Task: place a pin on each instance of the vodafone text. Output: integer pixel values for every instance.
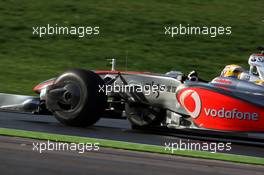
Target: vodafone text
(231, 114)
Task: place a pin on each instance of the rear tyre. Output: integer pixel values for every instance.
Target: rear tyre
(82, 103)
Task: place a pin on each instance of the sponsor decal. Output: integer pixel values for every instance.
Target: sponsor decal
(193, 109)
(257, 58)
(231, 114)
(221, 112)
(223, 81)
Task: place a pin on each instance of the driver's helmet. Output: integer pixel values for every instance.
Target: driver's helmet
(232, 71)
(260, 82)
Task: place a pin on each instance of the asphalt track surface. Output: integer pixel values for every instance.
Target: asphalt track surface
(112, 129)
(18, 157)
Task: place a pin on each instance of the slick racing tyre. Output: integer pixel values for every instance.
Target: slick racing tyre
(140, 115)
(75, 98)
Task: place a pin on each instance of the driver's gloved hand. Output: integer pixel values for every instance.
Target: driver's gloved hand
(193, 76)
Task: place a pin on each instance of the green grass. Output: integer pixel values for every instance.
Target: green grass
(132, 28)
(131, 146)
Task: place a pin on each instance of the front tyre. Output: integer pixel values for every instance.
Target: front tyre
(75, 98)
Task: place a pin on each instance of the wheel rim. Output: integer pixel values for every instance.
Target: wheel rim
(71, 98)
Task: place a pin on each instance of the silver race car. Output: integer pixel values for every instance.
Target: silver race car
(80, 97)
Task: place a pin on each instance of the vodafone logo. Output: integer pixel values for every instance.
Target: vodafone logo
(191, 101)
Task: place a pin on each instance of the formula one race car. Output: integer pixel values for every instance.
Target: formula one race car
(80, 97)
